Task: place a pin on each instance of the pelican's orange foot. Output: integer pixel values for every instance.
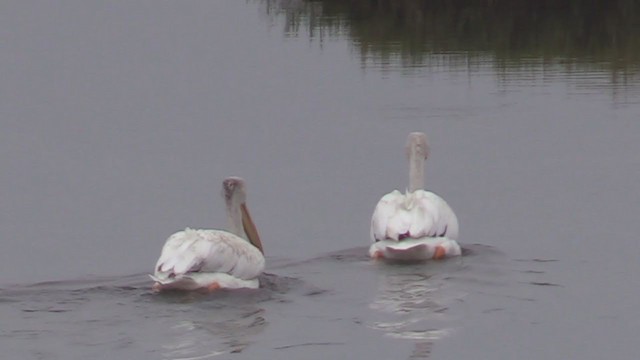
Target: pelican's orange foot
(439, 253)
(378, 255)
(213, 287)
(156, 287)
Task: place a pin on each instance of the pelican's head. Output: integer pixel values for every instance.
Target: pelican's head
(417, 145)
(235, 197)
(233, 190)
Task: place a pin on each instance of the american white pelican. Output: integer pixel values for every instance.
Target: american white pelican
(417, 225)
(212, 259)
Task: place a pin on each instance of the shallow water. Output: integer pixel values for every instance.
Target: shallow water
(120, 120)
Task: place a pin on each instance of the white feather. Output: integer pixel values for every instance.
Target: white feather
(414, 249)
(417, 214)
(412, 225)
(196, 255)
(192, 259)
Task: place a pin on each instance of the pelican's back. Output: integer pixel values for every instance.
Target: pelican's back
(206, 252)
(415, 215)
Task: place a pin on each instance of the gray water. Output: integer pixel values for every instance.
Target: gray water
(120, 120)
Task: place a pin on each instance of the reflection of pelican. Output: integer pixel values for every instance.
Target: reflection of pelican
(212, 259)
(417, 225)
(205, 334)
(412, 306)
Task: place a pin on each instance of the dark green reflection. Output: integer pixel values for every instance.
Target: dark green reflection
(595, 33)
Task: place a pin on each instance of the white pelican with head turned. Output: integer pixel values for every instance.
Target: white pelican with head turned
(417, 225)
(213, 259)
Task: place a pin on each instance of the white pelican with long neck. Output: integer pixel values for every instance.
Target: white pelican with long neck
(417, 225)
(214, 259)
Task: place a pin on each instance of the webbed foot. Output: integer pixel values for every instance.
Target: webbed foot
(439, 253)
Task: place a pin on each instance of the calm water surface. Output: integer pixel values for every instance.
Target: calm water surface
(120, 120)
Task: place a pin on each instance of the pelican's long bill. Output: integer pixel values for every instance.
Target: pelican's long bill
(250, 228)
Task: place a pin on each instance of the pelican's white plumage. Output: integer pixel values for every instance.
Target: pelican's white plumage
(210, 259)
(418, 224)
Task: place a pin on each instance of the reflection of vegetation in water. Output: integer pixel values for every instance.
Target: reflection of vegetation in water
(594, 33)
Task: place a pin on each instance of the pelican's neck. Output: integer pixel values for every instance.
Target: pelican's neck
(416, 170)
(234, 218)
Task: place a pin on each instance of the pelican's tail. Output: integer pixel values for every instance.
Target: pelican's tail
(194, 281)
(157, 279)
